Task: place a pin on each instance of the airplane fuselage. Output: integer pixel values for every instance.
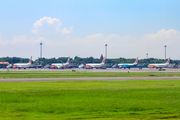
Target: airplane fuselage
(21, 65)
(94, 65)
(59, 65)
(81, 66)
(158, 65)
(56, 65)
(127, 65)
(65, 65)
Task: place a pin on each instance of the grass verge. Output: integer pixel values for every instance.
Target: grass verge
(104, 100)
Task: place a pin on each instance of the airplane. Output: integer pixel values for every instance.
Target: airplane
(23, 65)
(129, 65)
(115, 66)
(9, 66)
(60, 65)
(37, 66)
(47, 66)
(81, 66)
(160, 66)
(97, 66)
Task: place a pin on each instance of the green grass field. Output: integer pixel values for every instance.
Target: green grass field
(37, 74)
(102, 100)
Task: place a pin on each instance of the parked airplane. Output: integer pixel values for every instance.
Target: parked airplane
(115, 66)
(56, 65)
(36, 66)
(9, 66)
(23, 65)
(97, 66)
(81, 66)
(47, 66)
(60, 65)
(129, 65)
(160, 66)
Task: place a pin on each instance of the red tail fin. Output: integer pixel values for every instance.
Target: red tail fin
(68, 60)
(30, 61)
(136, 61)
(168, 61)
(104, 61)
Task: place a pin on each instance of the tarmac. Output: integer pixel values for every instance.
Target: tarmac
(91, 79)
(97, 70)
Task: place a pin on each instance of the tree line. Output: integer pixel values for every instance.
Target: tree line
(79, 60)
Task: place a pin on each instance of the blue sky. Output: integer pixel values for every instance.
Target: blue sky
(131, 28)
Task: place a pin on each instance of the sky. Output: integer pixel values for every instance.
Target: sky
(130, 28)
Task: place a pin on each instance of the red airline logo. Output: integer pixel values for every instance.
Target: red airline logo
(14, 66)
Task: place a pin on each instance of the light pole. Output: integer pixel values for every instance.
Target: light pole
(147, 55)
(105, 52)
(3, 62)
(40, 51)
(165, 51)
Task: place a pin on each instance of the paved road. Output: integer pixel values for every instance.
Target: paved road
(89, 79)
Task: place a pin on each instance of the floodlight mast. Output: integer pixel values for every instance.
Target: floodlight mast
(105, 53)
(41, 51)
(165, 51)
(106, 50)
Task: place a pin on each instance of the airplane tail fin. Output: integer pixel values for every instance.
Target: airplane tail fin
(103, 61)
(136, 61)
(30, 61)
(168, 61)
(68, 59)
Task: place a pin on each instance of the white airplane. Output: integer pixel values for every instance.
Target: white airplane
(160, 66)
(91, 65)
(82, 66)
(60, 65)
(23, 65)
(66, 65)
(129, 65)
(9, 66)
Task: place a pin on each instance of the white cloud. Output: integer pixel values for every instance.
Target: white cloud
(34, 31)
(48, 27)
(48, 20)
(21, 40)
(113, 36)
(154, 43)
(116, 40)
(90, 40)
(94, 45)
(95, 36)
(162, 36)
(66, 31)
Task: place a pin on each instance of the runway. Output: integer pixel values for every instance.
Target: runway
(89, 70)
(97, 70)
(89, 79)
